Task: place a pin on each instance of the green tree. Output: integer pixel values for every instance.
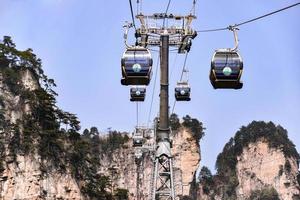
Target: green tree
(2, 154)
(114, 141)
(174, 122)
(205, 174)
(287, 166)
(86, 133)
(186, 198)
(94, 131)
(206, 180)
(47, 129)
(275, 136)
(195, 126)
(121, 194)
(97, 188)
(264, 194)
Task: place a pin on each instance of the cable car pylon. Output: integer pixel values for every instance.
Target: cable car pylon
(136, 70)
(163, 183)
(136, 64)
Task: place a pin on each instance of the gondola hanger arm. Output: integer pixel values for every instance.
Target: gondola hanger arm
(234, 29)
(126, 27)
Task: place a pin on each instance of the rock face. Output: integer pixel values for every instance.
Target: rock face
(128, 174)
(23, 177)
(186, 154)
(260, 166)
(26, 181)
(16, 107)
(125, 173)
(255, 164)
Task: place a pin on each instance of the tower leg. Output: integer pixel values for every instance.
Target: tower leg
(163, 179)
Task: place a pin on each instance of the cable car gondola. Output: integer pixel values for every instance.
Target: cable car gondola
(136, 66)
(138, 138)
(227, 66)
(137, 93)
(226, 69)
(182, 91)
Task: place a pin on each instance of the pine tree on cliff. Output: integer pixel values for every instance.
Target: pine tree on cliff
(47, 129)
(225, 181)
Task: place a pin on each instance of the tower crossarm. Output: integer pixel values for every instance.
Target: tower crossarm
(178, 29)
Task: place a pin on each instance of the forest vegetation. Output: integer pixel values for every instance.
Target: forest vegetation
(225, 180)
(50, 131)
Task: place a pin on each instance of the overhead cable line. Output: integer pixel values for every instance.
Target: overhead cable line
(137, 114)
(174, 104)
(184, 66)
(166, 12)
(153, 91)
(132, 15)
(266, 15)
(138, 6)
(172, 70)
(181, 77)
(168, 6)
(174, 65)
(193, 10)
(249, 21)
(212, 30)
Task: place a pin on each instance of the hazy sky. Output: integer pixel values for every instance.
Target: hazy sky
(81, 43)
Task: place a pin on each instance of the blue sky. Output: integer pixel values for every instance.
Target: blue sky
(81, 43)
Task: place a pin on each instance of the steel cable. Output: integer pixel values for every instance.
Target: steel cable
(249, 21)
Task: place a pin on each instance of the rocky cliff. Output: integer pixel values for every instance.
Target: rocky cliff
(23, 178)
(260, 162)
(260, 166)
(44, 157)
(187, 158)
(131, 175)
